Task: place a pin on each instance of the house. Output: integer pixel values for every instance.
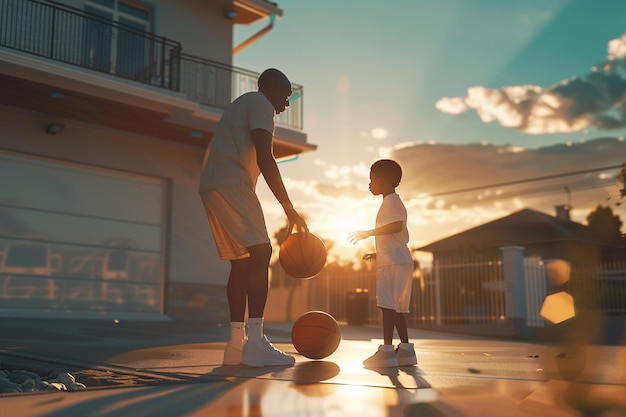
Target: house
(492, 280)
(542, 235)
(106, 108)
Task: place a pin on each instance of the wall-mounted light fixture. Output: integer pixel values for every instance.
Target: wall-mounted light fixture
(230, 14)
(54, 128)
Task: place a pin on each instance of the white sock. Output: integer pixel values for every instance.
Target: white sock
(237, 331)
(406, 346)
(388, 348)
(255, 328)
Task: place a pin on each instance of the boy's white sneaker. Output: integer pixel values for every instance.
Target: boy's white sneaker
(405, 353)
(385, 357)
(261, 352)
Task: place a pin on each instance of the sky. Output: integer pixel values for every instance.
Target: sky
(471, 97)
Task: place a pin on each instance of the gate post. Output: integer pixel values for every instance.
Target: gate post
(514, 287)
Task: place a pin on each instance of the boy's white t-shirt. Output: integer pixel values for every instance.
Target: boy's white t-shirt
(230, 159)
(392, 249)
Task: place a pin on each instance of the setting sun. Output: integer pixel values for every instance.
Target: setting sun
(347, 216)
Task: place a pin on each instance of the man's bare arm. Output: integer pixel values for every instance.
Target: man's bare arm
(267, 164)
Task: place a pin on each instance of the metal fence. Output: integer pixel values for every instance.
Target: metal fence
(612, 287)
(470, 291)
(347, 295)
(600, 287)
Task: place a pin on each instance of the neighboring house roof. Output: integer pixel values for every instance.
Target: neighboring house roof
(523, 227)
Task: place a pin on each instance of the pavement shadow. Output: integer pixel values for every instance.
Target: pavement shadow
(417, 407)
(96, 340)
(394, 376)
(148, 402)
(176, 399)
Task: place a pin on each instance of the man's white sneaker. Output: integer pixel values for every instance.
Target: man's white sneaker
(406, 354)
(233, 353)
(261, 352)
(385, 357)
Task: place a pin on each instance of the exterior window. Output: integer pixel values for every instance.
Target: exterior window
(116, 42)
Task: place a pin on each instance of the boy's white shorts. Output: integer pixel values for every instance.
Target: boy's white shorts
(393, 287)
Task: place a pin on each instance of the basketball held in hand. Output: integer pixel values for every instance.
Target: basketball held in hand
(316, 335)
(302, 255)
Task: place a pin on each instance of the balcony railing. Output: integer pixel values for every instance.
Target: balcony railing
(71, 36)
(65, 34)
(215, 85)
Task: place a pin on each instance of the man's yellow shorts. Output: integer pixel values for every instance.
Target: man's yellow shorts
(236, 219)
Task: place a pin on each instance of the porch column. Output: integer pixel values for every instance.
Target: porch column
(514, 286)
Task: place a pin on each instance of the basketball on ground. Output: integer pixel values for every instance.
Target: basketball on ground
(316, 335)
(302, 255)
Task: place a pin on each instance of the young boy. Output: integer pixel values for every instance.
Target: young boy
(394, 265)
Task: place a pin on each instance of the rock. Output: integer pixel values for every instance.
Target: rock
(46, 386)
(58, 386)
(76, 386)
(66, 378)
(28, 385)
(21, 375)
(8, 387)
(26, 381)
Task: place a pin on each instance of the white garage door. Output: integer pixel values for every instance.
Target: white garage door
(80, 239)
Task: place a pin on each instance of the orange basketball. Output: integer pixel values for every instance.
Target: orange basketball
(315, 335)
(302, 255)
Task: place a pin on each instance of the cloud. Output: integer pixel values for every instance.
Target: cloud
(379, 133)
(440, 173)
(335, 191)
(343, 173)
(617, 48)
(594, 100)
(434, 177)
(451, 105)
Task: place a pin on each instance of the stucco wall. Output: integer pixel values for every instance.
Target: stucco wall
(199, 25)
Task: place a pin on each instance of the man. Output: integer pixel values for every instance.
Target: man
(238, 153)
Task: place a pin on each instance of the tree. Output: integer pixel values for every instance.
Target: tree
(621, 179)
(604, 224)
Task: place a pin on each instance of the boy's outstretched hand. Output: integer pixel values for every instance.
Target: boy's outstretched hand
(354, 237)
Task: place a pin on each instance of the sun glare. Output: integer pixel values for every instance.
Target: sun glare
(347, 217)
